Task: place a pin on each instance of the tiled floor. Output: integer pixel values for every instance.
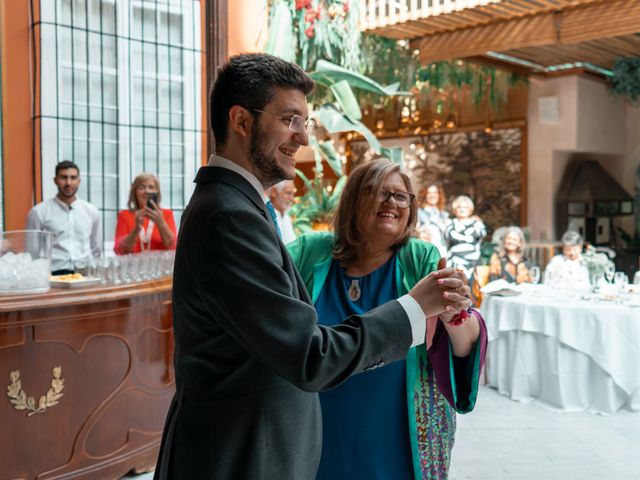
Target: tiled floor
(506, 440)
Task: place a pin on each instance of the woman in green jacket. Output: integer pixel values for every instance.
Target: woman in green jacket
(397, 421)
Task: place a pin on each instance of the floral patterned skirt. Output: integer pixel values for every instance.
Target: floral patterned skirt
(436, 426)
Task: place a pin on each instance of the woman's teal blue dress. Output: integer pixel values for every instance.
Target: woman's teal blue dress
(365, 431)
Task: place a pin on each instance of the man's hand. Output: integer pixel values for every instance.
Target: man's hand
(444, 291)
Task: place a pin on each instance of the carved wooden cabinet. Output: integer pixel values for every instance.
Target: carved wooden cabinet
(98, 365)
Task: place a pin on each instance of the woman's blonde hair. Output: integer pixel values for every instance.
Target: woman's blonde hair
(520, 234)
(139, 180)
(462, 199)
(359, 199)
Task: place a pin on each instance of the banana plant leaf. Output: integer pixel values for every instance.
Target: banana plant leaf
(347, 100)
(316, 154)
(337, 191)
(331, 156)
(335, 121)
(328, 73)
(307, 184)
(280, 41)
(394, 154)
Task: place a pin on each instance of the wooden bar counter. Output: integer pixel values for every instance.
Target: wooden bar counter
(87, 378)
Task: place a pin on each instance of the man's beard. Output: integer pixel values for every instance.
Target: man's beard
(62, 193)
(265, 167)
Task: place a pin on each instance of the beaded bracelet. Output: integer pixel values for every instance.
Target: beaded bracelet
(459, 318)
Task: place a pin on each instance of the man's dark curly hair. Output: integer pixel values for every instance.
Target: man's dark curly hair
(249, 80)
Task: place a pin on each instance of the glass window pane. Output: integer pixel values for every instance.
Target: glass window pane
(64, 44)
(163, 27)
(111, 191)
(577, 208)
(109, 225)
(95, 191)
(149, 57)
(79, 46)
(64, 13)
(175, 29)
(110, 158)
(117, 117)
(148, 24)
(177, 195)
(79, 14)
(102, 16)
(175, 65)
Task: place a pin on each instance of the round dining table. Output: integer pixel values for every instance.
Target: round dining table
(569, 351)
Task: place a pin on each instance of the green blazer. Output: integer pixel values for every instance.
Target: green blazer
(311, 253)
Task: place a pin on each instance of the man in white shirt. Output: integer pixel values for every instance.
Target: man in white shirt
(281, 196)
(74, 223)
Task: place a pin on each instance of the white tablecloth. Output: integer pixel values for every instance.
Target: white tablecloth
(566, 353)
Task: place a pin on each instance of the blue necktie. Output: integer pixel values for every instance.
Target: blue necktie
(274, 217)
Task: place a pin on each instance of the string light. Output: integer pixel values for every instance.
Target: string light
(451, 121)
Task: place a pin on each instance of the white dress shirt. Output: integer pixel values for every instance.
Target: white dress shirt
(564, 273)
(414, 312)
(76, 230)
(286, 227)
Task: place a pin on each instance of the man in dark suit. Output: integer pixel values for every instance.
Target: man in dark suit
(249, 352)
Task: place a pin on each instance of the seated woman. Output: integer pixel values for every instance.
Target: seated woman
(397, 421)
(509, 262)
(568, 270)
(145, 226)
(464, 236)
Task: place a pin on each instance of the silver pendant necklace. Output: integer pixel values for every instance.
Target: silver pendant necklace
(354, 291)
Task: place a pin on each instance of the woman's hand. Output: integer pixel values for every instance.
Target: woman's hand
(139, 220)
(154, 213)
(445, 290)
(157, 216)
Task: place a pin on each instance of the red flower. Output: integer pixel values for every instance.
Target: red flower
(310, 16)
(300, 4)
(309, 31)
(345, 6)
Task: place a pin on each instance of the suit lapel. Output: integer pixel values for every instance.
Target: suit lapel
(237, 181)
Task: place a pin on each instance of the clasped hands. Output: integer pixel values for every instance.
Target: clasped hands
(444, 293)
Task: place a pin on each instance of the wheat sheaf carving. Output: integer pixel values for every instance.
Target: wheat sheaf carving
(22, 401)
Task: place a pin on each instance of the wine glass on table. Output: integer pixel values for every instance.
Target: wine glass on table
(534, 272)
(609, 273)
(620, 280)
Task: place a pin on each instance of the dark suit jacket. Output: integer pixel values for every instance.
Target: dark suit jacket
(249, 353)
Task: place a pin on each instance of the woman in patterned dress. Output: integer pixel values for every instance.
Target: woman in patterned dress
(398, 421)
(464, 236)
(509, 262)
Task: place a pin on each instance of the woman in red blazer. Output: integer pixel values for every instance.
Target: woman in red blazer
(145, 226)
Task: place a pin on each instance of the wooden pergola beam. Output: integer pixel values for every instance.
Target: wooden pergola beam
(600, 20)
